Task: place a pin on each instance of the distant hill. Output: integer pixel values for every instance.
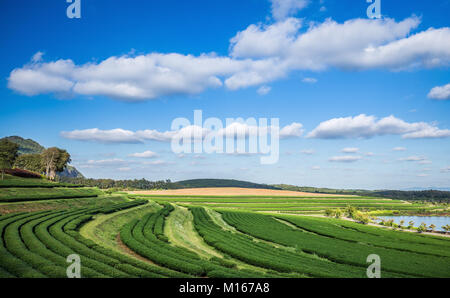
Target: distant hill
(418, 195)
(201, 183)
(26, 146)
(29, 146)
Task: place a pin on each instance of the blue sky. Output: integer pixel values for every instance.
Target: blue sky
(351, 82)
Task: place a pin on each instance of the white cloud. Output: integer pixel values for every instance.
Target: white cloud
(37, 57)
(440, 92)
(263, 90)
(308, 151)
(155, 163)
(350, 150)
(107, 162)
(284, 8)
(346, 158)
(363, 126)
(258, 55)
(413, 158)
(124, 169)
(309, 80)
(145, 154)
(399, 149)
(119, 135)
(423, 175)
(292, 130)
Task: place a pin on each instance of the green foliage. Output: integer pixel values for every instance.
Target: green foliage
(145, 238)
(37, 244)
(324, 243)
(8, 154)
(36, 194)
(30, 162)
(54, 160)
(26, 146)
(201, 183)
(121, 184)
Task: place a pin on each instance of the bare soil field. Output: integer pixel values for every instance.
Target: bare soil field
(232, 191)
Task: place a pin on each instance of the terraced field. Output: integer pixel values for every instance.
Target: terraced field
(296, 205)
(131, 236)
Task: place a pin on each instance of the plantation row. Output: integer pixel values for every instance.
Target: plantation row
(36, 194)
(11, 181)
(37, 245)
(244, 248)
(352, 232)
(146, 237)
(434, 263)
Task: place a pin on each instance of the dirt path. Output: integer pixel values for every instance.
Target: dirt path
(125, 249)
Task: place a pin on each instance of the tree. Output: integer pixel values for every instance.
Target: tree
(422, 228)
(400, 225)
(54, 160)
(411, 224)
(30, 162)
(432, 227)
(8, 154)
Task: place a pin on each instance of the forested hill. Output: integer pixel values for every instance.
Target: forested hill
(410, 195)
(26, 146)
(200, 183)
(29, 146)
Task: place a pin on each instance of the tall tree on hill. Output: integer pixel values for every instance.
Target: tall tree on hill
(54, 160)
(8, 154)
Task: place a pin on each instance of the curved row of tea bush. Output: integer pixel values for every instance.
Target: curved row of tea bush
(342, 251)
(146, 237)
(37, 245)
(389, 239)
(36, 194)
(258, 253)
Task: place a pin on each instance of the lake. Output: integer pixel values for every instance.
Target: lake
(438, 221)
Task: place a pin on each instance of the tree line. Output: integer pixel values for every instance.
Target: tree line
(49, 162)
(121, 184)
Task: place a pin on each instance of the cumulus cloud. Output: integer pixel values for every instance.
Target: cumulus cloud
(413, 158)
(284, 8)
(364, 126)
(308, 151)
(345, 159)
(399, 149)
(119, 135)
(350, 150)
(258, 55)
(309, 80)
(145, 154)
(263, 90)
(440, 92)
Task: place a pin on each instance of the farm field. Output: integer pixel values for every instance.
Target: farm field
(247, 233)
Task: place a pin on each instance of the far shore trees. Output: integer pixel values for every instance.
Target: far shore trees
(54, 160)
(8, 154)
